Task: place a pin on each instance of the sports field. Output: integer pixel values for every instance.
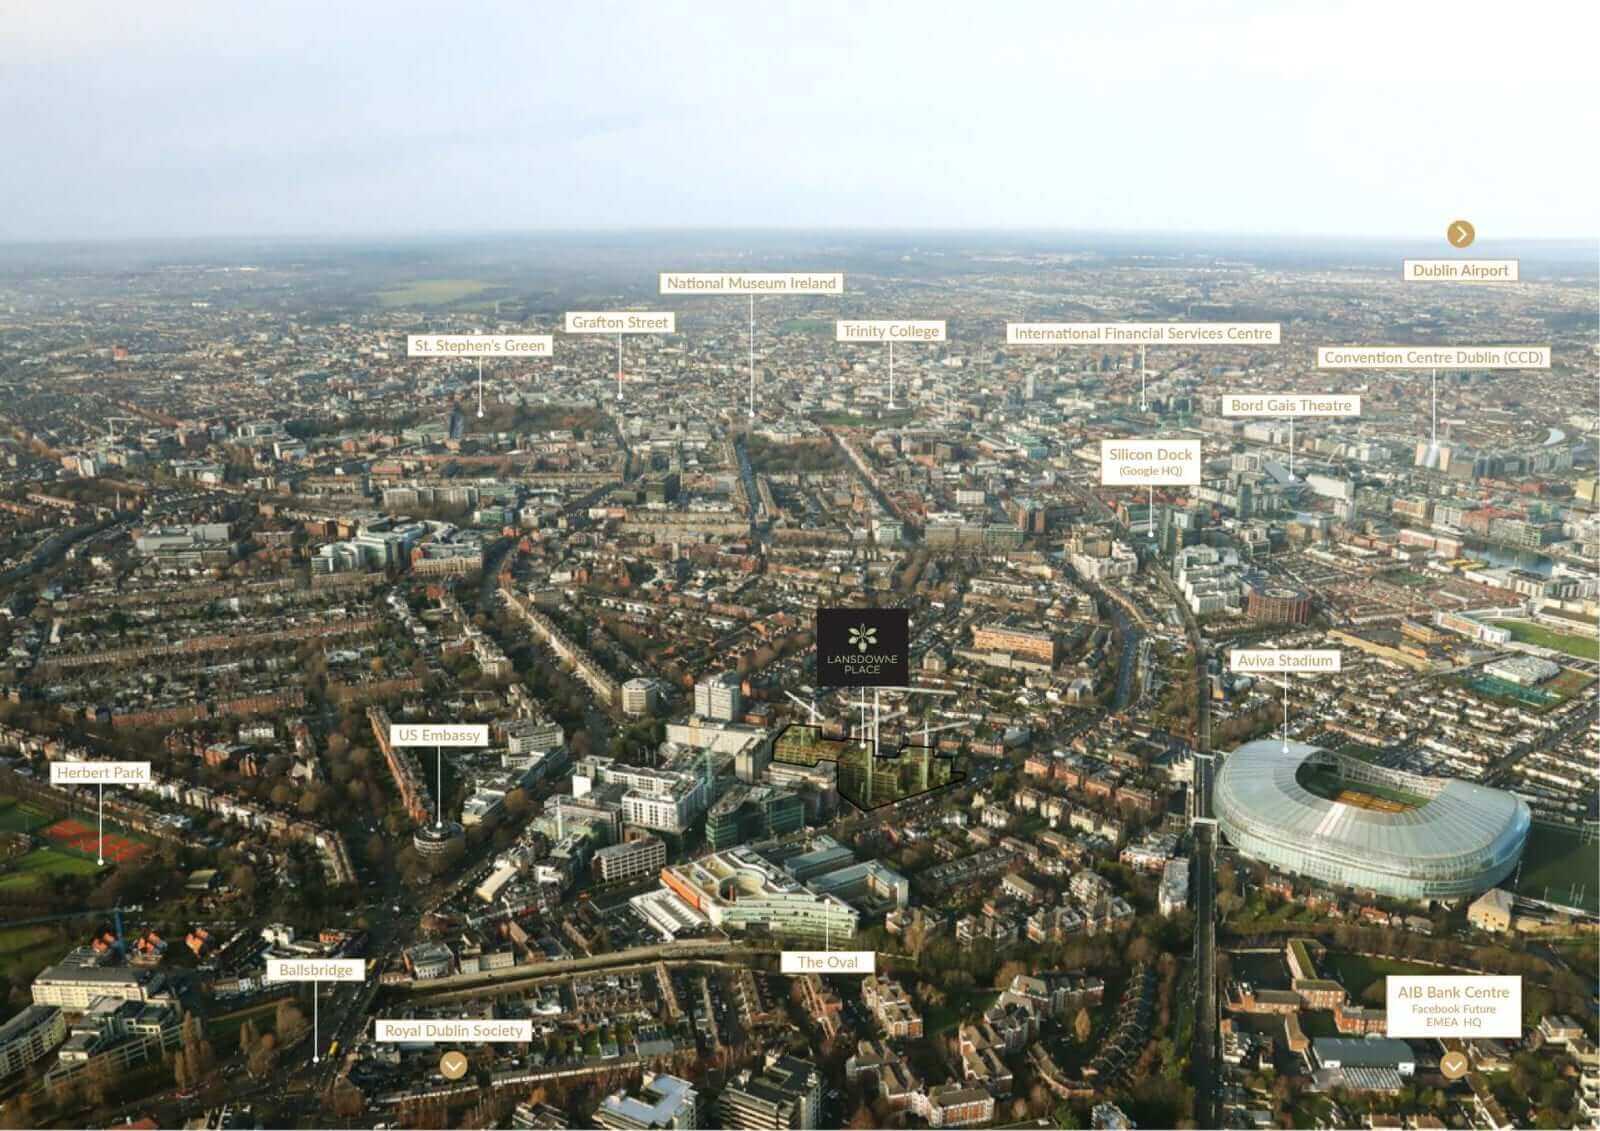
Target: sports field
(21, 816)
(1497, 688)
(1557, 865)
(1526, 632)
(1363, 800)
(85, 838)
(39, 865)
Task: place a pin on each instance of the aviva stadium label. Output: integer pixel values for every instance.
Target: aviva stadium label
(863, 647)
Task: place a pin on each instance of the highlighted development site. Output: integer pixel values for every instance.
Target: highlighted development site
(867, 780)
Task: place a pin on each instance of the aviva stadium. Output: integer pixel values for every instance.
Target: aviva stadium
(1337, 819)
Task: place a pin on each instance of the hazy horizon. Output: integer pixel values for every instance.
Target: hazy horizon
(292, 120)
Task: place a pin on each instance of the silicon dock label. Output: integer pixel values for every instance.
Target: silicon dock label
(1149, 463)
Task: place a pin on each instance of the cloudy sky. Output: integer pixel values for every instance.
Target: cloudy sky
(362, 117)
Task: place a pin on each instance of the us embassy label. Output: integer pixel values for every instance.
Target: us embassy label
(863, 647)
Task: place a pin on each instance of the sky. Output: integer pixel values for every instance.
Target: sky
(378, 117)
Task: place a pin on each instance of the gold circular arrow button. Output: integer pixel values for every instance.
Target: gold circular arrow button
(1461, 233)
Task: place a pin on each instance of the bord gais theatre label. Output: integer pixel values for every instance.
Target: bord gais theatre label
(863, 647)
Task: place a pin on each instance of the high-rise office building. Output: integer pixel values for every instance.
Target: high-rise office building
(719, 697)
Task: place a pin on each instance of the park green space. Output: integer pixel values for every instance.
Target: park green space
(223, 1030)
(851, 420)
(27, 950)
(432, 292)
(959, 1004)
(1355, 972)
(31, 870)
(22, 816)
(806, 326)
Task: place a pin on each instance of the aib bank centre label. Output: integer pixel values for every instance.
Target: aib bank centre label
(863, 647)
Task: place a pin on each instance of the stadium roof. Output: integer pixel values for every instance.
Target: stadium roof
(1456, 828)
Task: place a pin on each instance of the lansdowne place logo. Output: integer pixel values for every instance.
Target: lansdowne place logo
(863, 647)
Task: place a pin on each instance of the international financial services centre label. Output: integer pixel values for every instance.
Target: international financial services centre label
(752, 283)
(1143, 333)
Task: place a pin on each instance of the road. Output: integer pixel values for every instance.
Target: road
(1203, 1057)
(1206, 1052)
(1128, 662)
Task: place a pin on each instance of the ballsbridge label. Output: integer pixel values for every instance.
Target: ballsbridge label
(1149, 463)
(438, 734)
(479, 345)
(99, 773)
(1290, 404)
(622, 322)
(1143, 333)
(751, 283)
(1433, 357)
(1285, 660)
(316, 970)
